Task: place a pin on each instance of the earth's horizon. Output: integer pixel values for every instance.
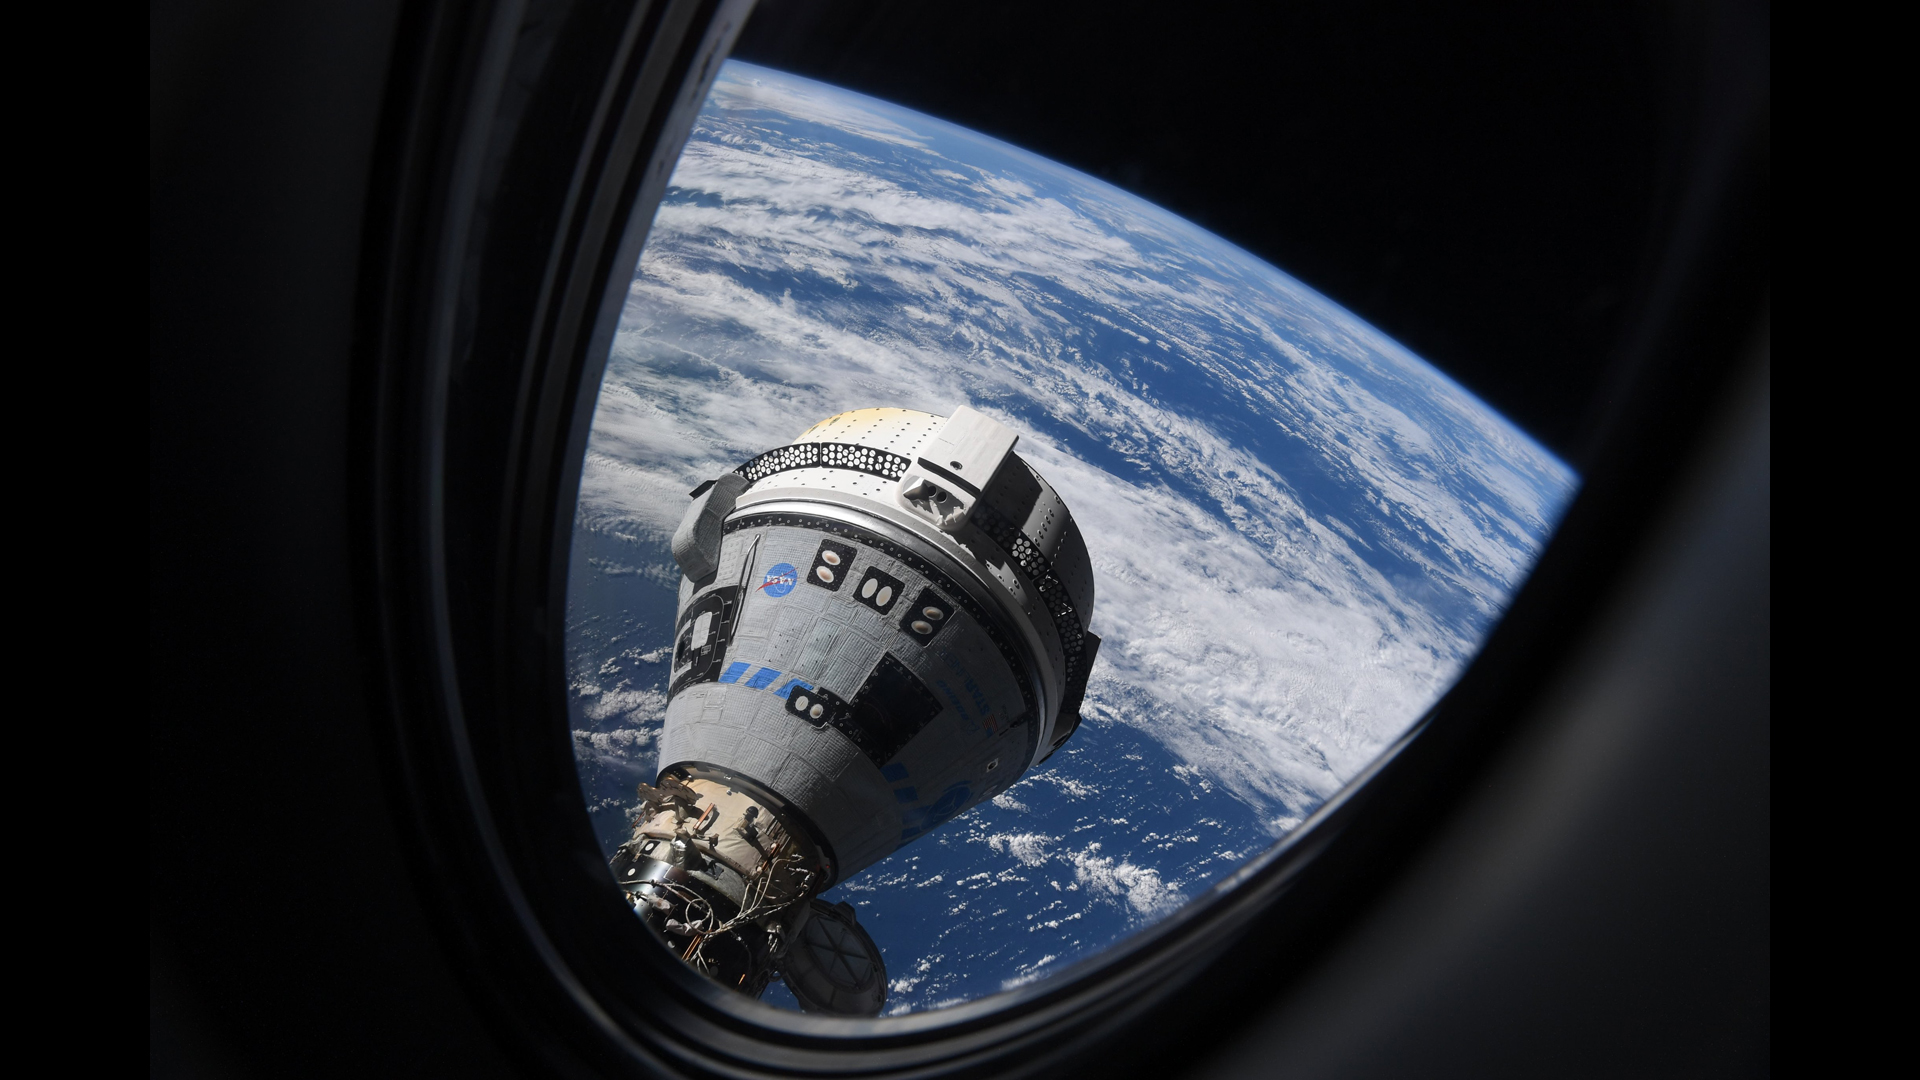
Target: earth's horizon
(1301, 532)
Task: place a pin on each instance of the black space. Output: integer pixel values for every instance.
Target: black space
(1479, 181)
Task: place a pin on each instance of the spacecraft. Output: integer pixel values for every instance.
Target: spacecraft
(880, 624)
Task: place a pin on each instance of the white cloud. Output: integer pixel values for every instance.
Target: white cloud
(1248, 625)
(1028, 972)
(1139, 886)
(1140, 889)
(637, 706)
(1029, 848)
(623, 749)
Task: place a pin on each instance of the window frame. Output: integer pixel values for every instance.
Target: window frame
(524, 151)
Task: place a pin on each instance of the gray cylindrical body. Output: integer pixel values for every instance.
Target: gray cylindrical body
(886, 639)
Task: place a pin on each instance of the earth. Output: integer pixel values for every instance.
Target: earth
(1301, 532)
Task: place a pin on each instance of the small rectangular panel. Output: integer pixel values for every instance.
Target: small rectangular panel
(705, 631)
(968, 449)
(954, 466)
(819, 646)
(878, 590)
(817, 706)
(889, 709)
(926, 616)
(831, 565)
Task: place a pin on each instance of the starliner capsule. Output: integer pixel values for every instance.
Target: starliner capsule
(881, 624)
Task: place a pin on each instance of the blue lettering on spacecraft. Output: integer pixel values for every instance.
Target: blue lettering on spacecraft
(979, 699)
(780, 580)
(953, 697)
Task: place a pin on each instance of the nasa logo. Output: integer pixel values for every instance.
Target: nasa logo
(780, 580)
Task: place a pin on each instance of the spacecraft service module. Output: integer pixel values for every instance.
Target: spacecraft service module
(881, 624)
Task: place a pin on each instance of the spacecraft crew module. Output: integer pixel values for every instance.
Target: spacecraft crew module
(881, 624)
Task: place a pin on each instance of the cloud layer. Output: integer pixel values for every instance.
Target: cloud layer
(1300, 531)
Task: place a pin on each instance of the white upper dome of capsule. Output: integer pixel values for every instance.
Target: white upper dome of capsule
(899, 438)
